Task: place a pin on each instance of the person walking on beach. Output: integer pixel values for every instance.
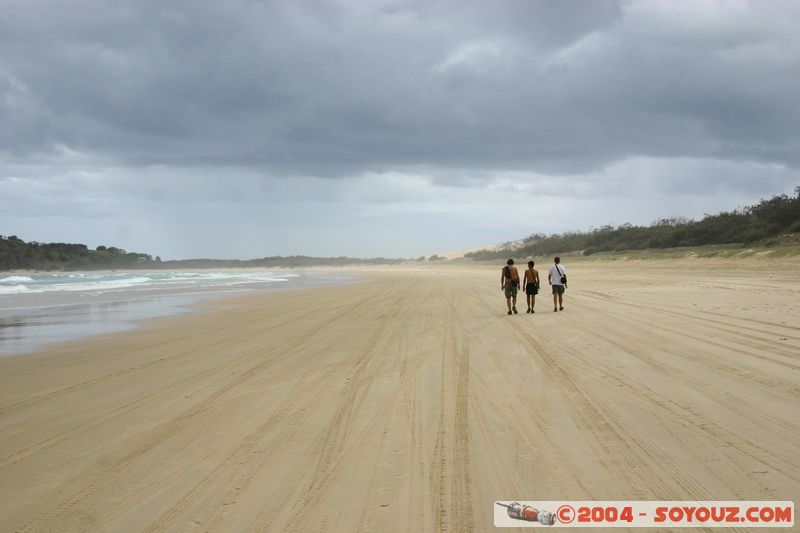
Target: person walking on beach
(531, 286)
(509, 282)
(557, 277)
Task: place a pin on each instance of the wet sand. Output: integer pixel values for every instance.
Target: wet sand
(413, 402)
(58, 307)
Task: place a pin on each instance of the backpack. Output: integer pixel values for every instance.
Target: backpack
(507, 272)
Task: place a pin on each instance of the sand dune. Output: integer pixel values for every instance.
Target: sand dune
(412, 403)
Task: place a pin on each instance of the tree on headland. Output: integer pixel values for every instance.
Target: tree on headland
(18, 254)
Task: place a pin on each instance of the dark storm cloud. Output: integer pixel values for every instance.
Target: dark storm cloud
(187, 128)
(342, 88)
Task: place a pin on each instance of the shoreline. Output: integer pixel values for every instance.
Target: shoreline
(48, 319)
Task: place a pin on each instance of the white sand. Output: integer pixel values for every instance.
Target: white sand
(412, 403)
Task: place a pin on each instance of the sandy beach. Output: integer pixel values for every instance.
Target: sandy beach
(412, 402)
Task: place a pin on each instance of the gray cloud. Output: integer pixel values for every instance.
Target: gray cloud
(142, 107)
(552, 86)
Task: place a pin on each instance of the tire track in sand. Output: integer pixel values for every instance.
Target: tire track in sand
(223, 340)
(619, 446)
(354, 442)
(289, 407)
(160, 435)
(328, 448)
(285, 349)
(637, 350)
(688, 417)
(450, 483)
(726, 328)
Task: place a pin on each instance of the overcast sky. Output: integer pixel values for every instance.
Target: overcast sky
(386, 128)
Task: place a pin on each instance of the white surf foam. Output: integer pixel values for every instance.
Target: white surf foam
(15, 279)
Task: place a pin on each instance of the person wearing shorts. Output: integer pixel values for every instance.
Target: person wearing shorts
(531, 286)
(509, 282)
(555, 274)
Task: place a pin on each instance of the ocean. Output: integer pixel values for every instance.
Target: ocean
(40, 309)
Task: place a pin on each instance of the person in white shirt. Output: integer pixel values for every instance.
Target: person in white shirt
(557, 277)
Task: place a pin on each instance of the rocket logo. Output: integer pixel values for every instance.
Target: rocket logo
(528, 514)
